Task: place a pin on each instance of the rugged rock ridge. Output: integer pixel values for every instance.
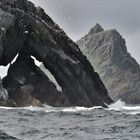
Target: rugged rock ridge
(107, 52)
(26, 30)
(96, 29)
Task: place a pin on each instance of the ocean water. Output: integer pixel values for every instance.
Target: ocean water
(119, 122)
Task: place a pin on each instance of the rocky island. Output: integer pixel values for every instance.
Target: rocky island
(28, 33)
(107, 52)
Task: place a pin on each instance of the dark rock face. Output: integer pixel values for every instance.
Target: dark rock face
(3, 92)
(28, 31)
(30, 86)
(4, 98)
(107, 52)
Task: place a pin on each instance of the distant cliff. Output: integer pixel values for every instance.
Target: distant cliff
(107, 52)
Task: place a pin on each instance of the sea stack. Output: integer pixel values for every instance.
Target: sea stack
(107, 53)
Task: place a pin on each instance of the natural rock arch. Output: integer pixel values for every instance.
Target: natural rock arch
(28, 31)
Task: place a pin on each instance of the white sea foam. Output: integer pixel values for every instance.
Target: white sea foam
(1, 107)
(48, 108)
(117, 106)
(68, 109)
(76, 109)
(121, 106)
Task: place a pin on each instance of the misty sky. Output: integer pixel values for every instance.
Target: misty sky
(76, 17)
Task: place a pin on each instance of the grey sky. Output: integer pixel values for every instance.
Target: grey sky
(76, 17)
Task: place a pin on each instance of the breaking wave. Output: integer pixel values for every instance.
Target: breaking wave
(117, 106)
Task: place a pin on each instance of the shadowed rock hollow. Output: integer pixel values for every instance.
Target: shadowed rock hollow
(26, 30)
(107, 52)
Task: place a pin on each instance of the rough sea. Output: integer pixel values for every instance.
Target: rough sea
(119, 122)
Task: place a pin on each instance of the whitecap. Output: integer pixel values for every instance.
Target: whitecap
(121, 106)
(117, 105)
(76, 109)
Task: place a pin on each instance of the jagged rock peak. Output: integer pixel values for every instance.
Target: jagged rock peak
(96, 29)
(107, 52)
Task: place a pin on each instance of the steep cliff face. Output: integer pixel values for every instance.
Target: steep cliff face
(107, 52)
(28, 31)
